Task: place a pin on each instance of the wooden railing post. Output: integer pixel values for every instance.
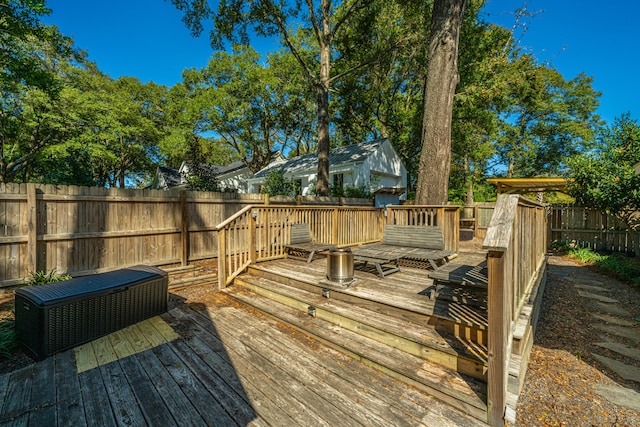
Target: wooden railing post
(497, 339)
(334, 226)
(32, 229)
(252, 237)
(222, 258)
(497, 242)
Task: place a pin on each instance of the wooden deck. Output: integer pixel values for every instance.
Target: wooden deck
(227, 365)
(436, 342)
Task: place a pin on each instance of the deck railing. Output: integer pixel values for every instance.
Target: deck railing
(516, 242)
(260, 233)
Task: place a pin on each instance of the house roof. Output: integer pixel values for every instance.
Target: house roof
(338, 156)
(172, 177)
(221, 170)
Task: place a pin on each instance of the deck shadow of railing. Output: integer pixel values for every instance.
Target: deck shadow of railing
(210, 352)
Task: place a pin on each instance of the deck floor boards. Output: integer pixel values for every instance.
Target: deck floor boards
(229, 365)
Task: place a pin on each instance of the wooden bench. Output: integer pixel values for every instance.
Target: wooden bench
(473, 275)
(302, 246)
(421, 243)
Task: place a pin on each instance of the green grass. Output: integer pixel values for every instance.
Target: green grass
(616, 264)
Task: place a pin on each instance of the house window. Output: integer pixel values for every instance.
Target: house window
(299, 187)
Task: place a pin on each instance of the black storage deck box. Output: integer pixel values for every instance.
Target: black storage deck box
(58, 316)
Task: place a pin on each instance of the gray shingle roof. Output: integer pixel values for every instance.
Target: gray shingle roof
(338, 156)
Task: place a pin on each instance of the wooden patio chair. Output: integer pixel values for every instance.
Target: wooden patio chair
(302, 244)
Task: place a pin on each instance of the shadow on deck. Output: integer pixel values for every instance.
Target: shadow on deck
(395, 324)
(224, 365)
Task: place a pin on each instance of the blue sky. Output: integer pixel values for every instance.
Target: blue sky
(147, 39)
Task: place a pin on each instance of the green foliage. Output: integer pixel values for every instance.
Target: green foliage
(605, 178)
(8, 340)
(362, 192)
(616, 264)
(42, 277)
(276, 184)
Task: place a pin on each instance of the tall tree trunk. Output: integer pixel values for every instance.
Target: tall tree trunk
(322, 93)
(442, 79)
(322, 185)
(469, 199)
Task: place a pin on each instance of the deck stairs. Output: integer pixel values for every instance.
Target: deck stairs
(435, 354)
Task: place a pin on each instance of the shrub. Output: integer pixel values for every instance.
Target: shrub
(40, 278)
(8, 341)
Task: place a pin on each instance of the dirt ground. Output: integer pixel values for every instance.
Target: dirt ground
(563, 372)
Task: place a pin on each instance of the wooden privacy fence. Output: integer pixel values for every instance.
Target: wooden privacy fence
(590, 228)
(83, 230)
(259, 233)
(516, 242)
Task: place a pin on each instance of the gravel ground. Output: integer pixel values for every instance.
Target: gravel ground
(564, 373)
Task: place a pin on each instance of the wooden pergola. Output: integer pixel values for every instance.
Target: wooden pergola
(528, 185)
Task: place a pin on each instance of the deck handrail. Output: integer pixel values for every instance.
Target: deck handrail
(516, 241)
(233, 217)
(260, 233)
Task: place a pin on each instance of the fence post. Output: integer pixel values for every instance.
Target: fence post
(184, 232)
(32, 229)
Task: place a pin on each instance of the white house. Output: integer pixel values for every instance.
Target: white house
(372, 165)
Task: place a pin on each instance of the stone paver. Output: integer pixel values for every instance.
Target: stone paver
(609, 309)
(630, 333)
(613, 320)
(628, 372)
(592, 288)
(620, 396)
(622, 349)
(597, 297)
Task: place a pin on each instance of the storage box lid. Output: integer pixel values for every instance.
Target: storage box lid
(102, 283)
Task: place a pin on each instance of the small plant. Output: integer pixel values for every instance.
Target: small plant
(8, 340)
(41, 277)
(616, 265)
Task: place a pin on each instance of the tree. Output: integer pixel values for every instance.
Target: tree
(605, 178)
(253, 108)
(323, 21)
(442, 78)
(548, 119)
(30, 57)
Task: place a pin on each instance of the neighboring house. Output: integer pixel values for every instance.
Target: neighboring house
(166, 178)
(372, 165)
(229, 178)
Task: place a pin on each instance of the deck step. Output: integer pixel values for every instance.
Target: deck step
(461, 391)
(413, 338)
(469, 333)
